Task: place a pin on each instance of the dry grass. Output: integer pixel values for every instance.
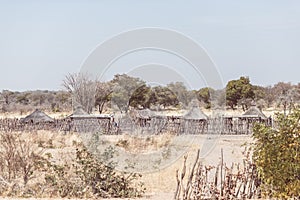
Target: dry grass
(160, 183)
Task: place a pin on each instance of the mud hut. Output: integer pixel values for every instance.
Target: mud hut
(37, 117)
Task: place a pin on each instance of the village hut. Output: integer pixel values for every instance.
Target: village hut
(37, 117)
(246, 121)
(84, 122)
(143, 117)
(195, 121)
(254, 112)
(195, 113)
(78, 112)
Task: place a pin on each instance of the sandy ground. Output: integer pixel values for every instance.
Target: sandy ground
(161, 183)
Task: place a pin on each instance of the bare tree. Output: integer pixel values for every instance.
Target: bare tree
(83, 90)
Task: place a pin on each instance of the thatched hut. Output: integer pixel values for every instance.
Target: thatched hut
(37, 117)
(84, 122)
(78, 112)
(195, 121)
(143, 117)
(252, 115)
(254, 112)
(195, 113)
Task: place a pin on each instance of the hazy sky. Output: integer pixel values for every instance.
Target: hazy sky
(42, 41)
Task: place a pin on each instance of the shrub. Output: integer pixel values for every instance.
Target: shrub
(277, 156)
(91, 178)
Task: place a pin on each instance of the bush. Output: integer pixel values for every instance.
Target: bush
(89, 177)
(26, 170)
(277, 156)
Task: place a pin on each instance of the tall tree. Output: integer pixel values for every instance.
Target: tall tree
(239, 91)
(182, 94)
(205, 95)
(83, 90)
(124, 87)
(103, 94)
(140, 97)
(163, 96)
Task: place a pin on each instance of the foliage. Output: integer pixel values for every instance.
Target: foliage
(163, 96)
(92, 178)
(239, 91)
(26, 171)
(30, 100)
(124, 87)
(205, 95)
(182, 94)
(103, 94)
(276, 155)
(140, 97)
(19, 160)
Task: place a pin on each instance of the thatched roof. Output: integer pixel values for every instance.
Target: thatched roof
(254, 112)
(144, 114)
(37, 117)
(79, 112)
(195, 113)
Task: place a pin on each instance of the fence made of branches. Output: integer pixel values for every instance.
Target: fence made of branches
(235, 181)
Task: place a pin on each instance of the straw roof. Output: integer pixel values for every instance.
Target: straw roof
(37, 117)
(254, 112)
(195, 113)
(79, 112)
(145, 114)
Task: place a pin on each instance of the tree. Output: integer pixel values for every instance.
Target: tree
(123, 88)
(163, 96)
(276, 154)
(103, 95)
(182, 94)
(205, 95)
(239, 91)
(140, 97)
(83, 90)
(286, 95)
(270, 96)
(7, 96)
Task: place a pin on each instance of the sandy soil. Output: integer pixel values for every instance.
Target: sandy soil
(161, 183)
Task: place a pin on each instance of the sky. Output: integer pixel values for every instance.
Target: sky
(42, 41)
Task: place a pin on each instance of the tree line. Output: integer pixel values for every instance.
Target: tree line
(124, 91)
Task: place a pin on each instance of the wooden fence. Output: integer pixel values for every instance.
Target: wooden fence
(154, 125)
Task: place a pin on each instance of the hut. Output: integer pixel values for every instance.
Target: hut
(84, 122)
(254, 112)
(37, 117)
(78, 112)
(196, 114)
(246, 121)
(195, 121)
(144, 117)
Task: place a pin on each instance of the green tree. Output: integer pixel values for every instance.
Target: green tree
(103, 95)
(276, 154)
(205, 95)
(239, 91)
(123, 88)
(163, 96)
(182, 94)
(140, 97)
